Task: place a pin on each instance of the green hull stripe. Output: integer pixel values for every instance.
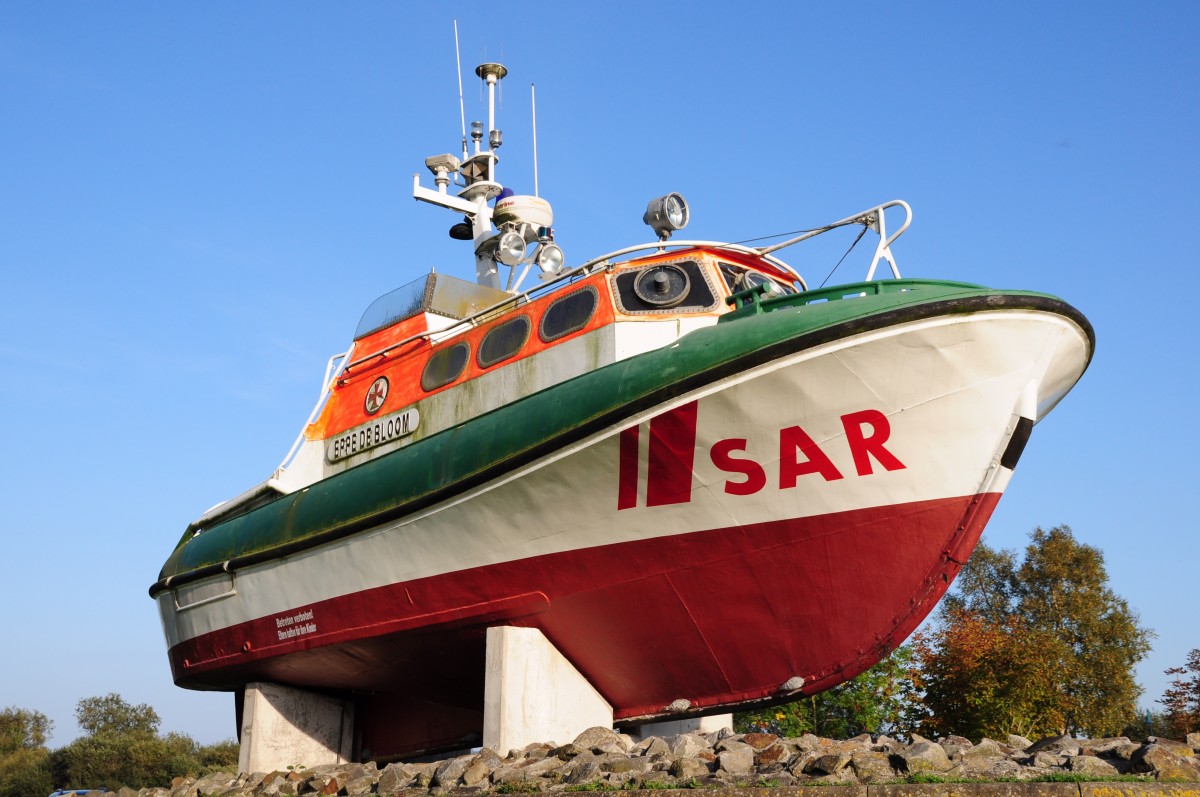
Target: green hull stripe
(478, 450)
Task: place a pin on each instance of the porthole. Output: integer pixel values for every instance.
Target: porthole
(503, 341)
(445, 366)
(569, 313)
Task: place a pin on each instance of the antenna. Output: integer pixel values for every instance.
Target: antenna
(533, 105)
(462, 111)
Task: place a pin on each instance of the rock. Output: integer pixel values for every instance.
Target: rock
(871, 766)
(759, 741)
(583, 770)
(1090, 765)
(477, 773)
(687, 745)
(828, 764)
(623, 764)
(808, 742)
(954, 745)
(925, 756)
(718, 735)
(548, 768)
(1018, 742)
(1178, 748)
(886, 744)
(354, 779)
(509, 773)
(1193, 740)
(736, 758)
(1045, 760)
(215, 782)
(774, 754)
(987, 749)
(656, 747)
(1057, 745)
(684, 769)
(1166, 764)
(318, 783)
(535, 751)
(450, 771)
(995, 769)
(566, 751)
(395, 777)
(602, 737)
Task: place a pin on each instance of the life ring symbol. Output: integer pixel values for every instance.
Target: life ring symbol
(376, 396)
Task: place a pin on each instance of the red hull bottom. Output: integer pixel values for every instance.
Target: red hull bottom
(717, 617)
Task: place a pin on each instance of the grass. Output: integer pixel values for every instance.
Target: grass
(518, 787)
(1053, 777)
(595, 785)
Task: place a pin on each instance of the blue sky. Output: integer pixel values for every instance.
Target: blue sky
(198, 201)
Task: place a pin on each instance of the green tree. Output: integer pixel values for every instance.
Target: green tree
(879, 700)
(111, 714)
(121, 747)
(1055, 601)
(25, 772)
(24, 760)
(22, 729)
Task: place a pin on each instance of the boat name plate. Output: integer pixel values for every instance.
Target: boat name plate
(376, 432)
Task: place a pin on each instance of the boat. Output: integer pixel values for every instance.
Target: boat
(708, 484)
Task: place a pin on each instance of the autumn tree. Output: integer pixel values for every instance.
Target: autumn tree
(986, 678)
(1053, 606)
(1182, 698)
(877, 701)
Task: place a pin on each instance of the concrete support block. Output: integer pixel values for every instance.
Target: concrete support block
(531, 693)
(283, 727)
(708, 724)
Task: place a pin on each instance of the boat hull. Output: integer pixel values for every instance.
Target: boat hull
(768, 532)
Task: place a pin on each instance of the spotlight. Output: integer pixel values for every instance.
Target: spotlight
(510, 248)
(666, 214)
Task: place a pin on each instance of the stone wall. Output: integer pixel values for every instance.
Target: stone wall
(754, 765)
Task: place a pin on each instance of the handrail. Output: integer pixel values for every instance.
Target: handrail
(566, 275)
(872, 217)
(326, 388)
(663, 245)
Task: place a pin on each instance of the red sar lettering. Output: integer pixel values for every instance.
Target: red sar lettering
(794, 442)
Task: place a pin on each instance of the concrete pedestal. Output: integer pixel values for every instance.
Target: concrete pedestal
(532, 693)
(283, 727)
(694, 725)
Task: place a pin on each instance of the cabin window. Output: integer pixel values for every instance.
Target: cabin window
(679, 287)
(503, 341)
(569, 313)
(739, 278)
(445, 366)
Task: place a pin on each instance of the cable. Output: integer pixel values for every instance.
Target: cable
(835, 268)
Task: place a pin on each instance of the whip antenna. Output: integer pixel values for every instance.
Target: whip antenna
(462, 112)
(533, 105)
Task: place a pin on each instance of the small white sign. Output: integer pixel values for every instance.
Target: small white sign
(373, 433)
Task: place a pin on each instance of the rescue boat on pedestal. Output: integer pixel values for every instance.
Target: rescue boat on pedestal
(706, 484)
